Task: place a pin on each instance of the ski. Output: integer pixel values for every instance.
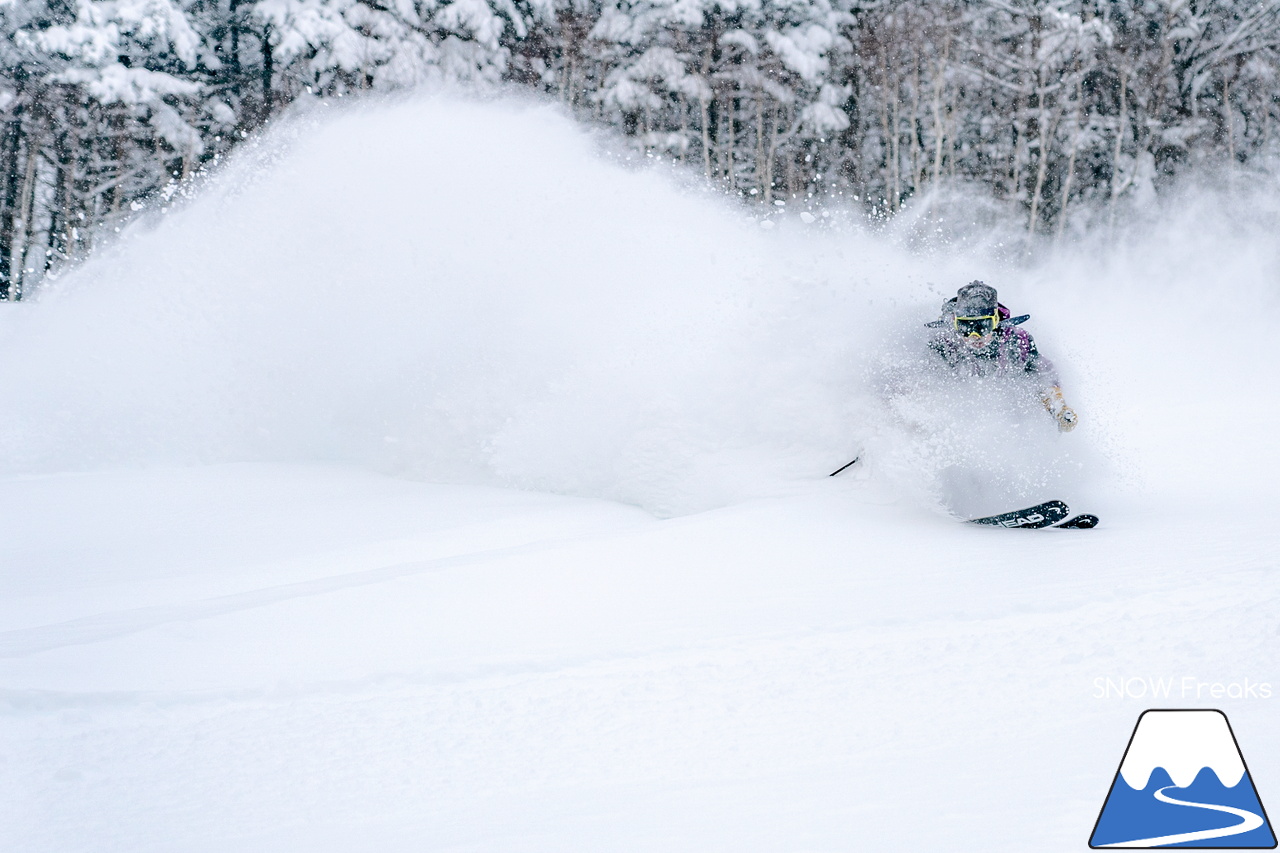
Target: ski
(1080, 522)
(1040, 515)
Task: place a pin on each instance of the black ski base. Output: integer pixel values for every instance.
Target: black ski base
(1031, 518)
(1080, 522)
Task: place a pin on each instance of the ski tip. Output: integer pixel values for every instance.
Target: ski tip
(1080, 522)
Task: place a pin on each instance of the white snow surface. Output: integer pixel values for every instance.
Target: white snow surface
(431, 481)
(1183, 743)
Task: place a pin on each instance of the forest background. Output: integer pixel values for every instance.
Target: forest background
(1063, 112)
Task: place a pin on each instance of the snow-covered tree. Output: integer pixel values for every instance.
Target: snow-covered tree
(105, 104)
(1067, 108)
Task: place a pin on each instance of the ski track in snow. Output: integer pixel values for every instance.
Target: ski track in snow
(104, 626)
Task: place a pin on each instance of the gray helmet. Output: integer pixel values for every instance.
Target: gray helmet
(975, 299)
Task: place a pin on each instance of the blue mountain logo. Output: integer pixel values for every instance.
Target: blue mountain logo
(1183, 783)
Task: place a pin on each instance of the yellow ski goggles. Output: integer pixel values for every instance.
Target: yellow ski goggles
(971, 327)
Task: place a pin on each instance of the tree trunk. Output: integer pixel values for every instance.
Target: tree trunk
(1018, 137)
(1047, 125)
(26, 206)
(1116, 186)
(1044, 133)
(887, 133)
(233, 60)
(760, 143)
(9, 214)
(896, 171)
(684, 128)
(1071, 164)
(706, 137)
(733, 110)
(939, 129)
(771, 156)
(268, 69)
(59, 221)
(706, 118)
(1230, 124)
(916, 148)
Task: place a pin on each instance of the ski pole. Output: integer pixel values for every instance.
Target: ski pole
(842, 467)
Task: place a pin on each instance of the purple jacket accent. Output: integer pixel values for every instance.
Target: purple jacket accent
(1011, 351)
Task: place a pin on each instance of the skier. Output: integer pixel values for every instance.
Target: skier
(977, 337)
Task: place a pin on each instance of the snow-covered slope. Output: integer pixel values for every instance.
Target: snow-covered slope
(376, 502)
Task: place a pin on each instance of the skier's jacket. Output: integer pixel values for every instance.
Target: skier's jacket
(1012, 351)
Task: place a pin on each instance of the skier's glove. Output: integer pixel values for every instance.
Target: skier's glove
(1057, 406)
